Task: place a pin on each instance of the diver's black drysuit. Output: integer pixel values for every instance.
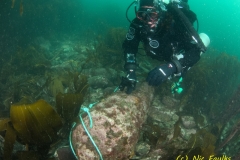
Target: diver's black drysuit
(170, 42)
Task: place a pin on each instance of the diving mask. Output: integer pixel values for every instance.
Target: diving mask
(147, 14)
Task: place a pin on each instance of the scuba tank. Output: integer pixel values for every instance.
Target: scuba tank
(182, 12)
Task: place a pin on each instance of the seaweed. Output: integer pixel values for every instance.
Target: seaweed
(177, 129)
(208, 88)
(80, 83)
(24, 61)
(68, 105)
(209, 84)
(30, 124)
(56, 87)
(234, 134)
(10, 138)
(108, 50)
(202, 143)
(37, 124)
(33, 155)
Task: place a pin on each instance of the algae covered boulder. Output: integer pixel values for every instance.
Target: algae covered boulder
(117, 121)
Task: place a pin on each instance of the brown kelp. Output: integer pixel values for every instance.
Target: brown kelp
(30, 124)
(202, 143)
(72, 101)
(20, 6)
(37, 124)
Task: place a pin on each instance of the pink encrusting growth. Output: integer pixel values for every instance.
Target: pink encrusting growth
(116, 124)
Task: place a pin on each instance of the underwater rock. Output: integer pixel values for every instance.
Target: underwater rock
(95, 96)
(170, 102)
(67, 48)
(156, 153)
(142, 148)
(98, 82)
(64, 153)
(98, 94)
(43, 43)
(109, 73)
(18, 147)
(101, 77)
(187, 133)
(68, 55)
(109, 90)
(117, 121)
(165, 118)
(162, 116)
(188, 122)
(59, 64)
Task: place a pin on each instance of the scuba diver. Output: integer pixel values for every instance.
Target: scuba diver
(165, 27)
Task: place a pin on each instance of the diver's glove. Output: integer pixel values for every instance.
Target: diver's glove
(160, 74)
(129, 81)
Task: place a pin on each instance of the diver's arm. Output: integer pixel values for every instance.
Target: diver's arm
(191, 55)
(186, 60)
(130, 47)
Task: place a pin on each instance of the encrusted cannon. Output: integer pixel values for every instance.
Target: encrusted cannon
(116, 124)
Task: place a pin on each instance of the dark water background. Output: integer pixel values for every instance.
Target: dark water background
(219, 19)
